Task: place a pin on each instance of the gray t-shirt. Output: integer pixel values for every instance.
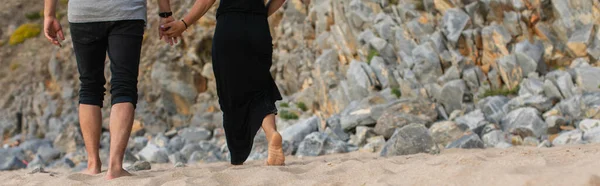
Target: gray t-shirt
(83, 11)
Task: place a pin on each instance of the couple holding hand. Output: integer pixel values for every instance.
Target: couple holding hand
(241, 55)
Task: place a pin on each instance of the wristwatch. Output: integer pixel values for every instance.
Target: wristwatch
(165, 14)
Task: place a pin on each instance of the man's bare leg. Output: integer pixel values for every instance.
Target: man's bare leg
(276, 156)
(121, 120)
(90, 122)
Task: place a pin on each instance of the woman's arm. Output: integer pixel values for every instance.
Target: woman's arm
(273, 6)
(200, 8)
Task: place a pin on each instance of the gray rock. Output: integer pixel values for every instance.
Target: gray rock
(555, 122)
(10, 162)
(404, 112)
(514, 67)
(195, 135)
(361, 75)
(469, 141)
(153, 153)
(588, 79)
(579, 63)
(474, 78)
(451, 96)
(48, 153)
(427, 66)
(472, 120)
(539, 102)
(33, 145)
(494, 138)
(492, 108)
(445, 132)
(319, 143)
(587, 125)
(190, 148)
(297, 132)
(411, 139)
(512, 23)
(207, 153)
(531, 86)
(333, 123)
(175, 144)
(455, 20)
(503, 145)
(139, 166)
(177, 157)
(138, 143)
(451, 73)
(569, 138)
(524, 122)
(160, 140)
(382, 71)
(534, 50)
(531, 141)
(551, 90)
(362, 134)
(179, 165)
(374, 144)
(592, 136)
(37, 162)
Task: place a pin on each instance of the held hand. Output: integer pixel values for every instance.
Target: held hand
(175, 28)
(53, 30)
(161, 30)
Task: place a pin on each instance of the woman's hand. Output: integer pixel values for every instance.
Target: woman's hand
(161, 31)
(174, 29)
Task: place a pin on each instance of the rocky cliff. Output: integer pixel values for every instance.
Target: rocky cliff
(394, 77)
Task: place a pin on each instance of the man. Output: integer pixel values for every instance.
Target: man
(99, 27)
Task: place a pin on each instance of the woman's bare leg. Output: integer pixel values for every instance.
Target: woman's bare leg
(276, 156)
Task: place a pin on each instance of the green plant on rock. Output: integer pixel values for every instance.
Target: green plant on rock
(372, 53)
(34, 15)
(504, 91)
(396, 92)
(302, 106)
(287, 115)
(284, 105)
(24, 32)
(14, 66)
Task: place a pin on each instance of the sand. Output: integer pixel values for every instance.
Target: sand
(572, 165)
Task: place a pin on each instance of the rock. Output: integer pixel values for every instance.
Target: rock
(190, 148)
(153, 153)
(382, 71)
(362, 134)
(451, 96)
(592, 136)
(48, 153)
(539, 102)
(67, 141)
(175, 144)
(569, 138)
(177, 157)
(494, 40)
(524, 122)
(195, 135)
(33, 145)
(333, 123)
(534, 51)
(494, 138)
(37, 162)
(411, 139)
(297, 132)
(318, 143)
(160, 140)
(9, 162)
(492, 108)
(455, 20)
(427, 66)
(503, 145)
(138, 143)
(588, 79)
(555, 123)
(551, 90)
(445, 132)
(580, 63)
(139, 166)
(514, 67)
(580, 39)
(474, 78)
(469, 141)
(531, 141)
(512, 23)
(361, 75)
(208, 153)
(531, 86)
(587, 125)
(179, 165)
(405, 112)
(472, 120)
(374, 144)
(452, 73)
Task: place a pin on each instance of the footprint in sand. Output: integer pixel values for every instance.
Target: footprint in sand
(83, 177)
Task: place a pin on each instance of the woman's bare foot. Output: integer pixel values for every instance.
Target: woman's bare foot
(93, 168)
(276, 156)
(116, 174)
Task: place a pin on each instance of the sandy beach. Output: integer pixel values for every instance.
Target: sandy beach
(572, 165)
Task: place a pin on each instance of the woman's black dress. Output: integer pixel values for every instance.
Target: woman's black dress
(242, 53)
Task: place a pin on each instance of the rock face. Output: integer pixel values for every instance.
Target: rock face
(411, 139)
(405, 112)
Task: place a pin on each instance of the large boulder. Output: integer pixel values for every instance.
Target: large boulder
(445, 132)
(469, 141)
(524, 122)
(319, 143)
(411, 139)
(297, 132)
(405, 112)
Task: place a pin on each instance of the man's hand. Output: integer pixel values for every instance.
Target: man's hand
(161, 30)
(175, 28)
(53, 30)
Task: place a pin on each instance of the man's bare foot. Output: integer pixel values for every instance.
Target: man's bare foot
(276, 156)
(91, 171)
(116, 174)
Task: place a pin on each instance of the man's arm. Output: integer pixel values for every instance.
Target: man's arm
(273, 6)
(52, 29)
(164, 6)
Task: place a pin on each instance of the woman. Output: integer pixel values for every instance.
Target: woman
(242, 53)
